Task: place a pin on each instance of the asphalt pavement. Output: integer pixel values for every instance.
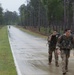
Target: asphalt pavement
(30, 55)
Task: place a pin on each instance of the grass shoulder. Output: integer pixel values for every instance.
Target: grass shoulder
(7, 66)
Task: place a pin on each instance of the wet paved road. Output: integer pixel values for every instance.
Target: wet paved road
(31, 55)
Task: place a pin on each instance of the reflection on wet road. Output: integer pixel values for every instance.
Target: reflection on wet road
(31, 54)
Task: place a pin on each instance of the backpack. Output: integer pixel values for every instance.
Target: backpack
(66, 42)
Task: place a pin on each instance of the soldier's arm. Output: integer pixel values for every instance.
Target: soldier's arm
(49, 38)
(59, 41)
(73, 41)
(73, 45)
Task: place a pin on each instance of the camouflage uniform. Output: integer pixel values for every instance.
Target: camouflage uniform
(52, 48)
(65, 48)
(65, 54)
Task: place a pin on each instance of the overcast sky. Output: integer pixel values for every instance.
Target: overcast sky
(12, 5)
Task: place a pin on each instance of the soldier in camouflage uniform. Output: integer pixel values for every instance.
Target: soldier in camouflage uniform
(52, 40)
(66, 43)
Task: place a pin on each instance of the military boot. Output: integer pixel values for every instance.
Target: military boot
(56, 64)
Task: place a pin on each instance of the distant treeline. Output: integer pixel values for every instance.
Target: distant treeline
(44, 15)
(8, 17)
(48, 14)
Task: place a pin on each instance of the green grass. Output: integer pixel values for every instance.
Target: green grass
(7, 66)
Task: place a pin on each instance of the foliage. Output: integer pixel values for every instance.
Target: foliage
(1, 15)
(10, 17)
(46, 13)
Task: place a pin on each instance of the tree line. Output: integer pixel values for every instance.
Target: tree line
(42, 15)
(47, 15)
(8, 17)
